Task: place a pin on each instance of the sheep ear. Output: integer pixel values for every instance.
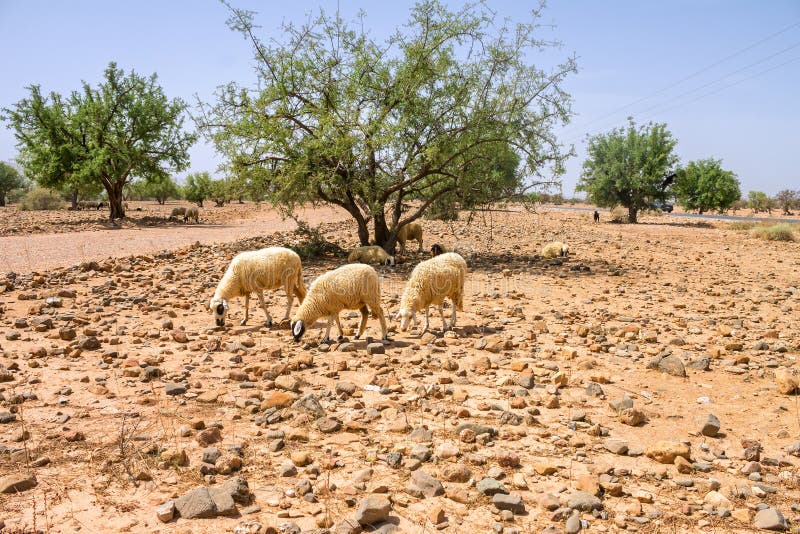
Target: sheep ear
(225, 304)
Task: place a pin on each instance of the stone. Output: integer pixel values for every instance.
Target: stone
(17, 483)
(376, 348)
(507, 458)
(211, 455)
(372, 509)
(287, 469)
(770, 519)
(683, 465)
(573, 524)
(223, 501)
(277, 399)
(328, 425)
(490, 487)
(787, 382)
(665, 451)
(672, 365)
(511, 502)
(166, 512)
(710, 426)
(7, 417)
(209, 436)
(717, 500)
(456, 473)
(287, 382)
(436, 515)
(584, 502)
(174, 389)
(632, 417)
(622, 403)
(616, 446)
(424, 484)
(197, 503)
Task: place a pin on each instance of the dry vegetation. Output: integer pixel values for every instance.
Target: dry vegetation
(109, 371)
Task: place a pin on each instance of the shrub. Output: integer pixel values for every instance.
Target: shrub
(40, 199)
(775, 232)
(619, 215)
(742, 225)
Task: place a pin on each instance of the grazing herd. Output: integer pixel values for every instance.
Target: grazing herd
(354, 286)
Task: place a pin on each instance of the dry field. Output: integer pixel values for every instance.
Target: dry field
(572, 394)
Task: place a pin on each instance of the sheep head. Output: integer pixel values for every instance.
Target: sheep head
(219, 307)
(298, 329)
(405, 317)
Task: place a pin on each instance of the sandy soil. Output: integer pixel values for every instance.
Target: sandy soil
(542, 354)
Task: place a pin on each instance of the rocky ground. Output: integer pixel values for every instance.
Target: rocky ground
(641, 384)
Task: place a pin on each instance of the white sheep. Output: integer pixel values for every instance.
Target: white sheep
(372, 255)
(255, 271)
(177, 212)
(350, 287)
(431, 282)
(408, 232)
(555, 250)
(192, 213)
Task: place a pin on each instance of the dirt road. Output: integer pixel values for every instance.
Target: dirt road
(44, 251)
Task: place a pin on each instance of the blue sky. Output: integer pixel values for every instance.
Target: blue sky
(627, 50)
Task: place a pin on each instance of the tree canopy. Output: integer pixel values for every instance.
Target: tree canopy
(197, 187)
(10, 178)
(629, 167)
(124, 128)
(704, 185)
(787, 200)
(341, 118)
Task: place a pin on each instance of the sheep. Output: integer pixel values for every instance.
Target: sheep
(350, 287)
(431, 282)
(465, 251)
(177, 212)
(192, 213)
(255, 271)
(408, 232)
(373, 255)
(596, 216)
(555, 249)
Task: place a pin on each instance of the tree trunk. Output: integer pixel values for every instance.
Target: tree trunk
(73, 198)
(381, 230)
(2, 199)
(115, 201)
(632, 213)
(363, 231)
(200, 203)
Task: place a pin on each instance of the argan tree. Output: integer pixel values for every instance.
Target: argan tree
(787, 200)
(704, 185)
(10, 178)
(106, 135)
(629, 167)
(385, 129)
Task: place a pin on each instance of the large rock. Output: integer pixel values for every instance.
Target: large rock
(490, 487)
(423, 484)
(584, 502)
(787, 382)
(512, 502)
(198, 503)
(669, 364)
(710, 426)
(665, 451)
(205, 502)
(17, 483)
(770, 519)
(372, 509)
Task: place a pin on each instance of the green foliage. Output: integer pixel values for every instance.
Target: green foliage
(759, 201)
(787, 200)
(40, 198)
(10, 179)
(438, 111)
(220, 192)
(775, 232)
(101, 136)
(197, 187)
(628, 166)
(704, 186)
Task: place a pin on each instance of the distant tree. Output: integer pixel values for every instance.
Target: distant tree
(104, 136)
(758, 201)
(10, 178)
(220, 192)
(339, 117)
(629, 167)
(161, 190)
(197, 187)
(704, 185)
(787, 200)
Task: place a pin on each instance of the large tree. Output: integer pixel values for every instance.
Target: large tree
(339, 117)
(704, 185)
(10, 178)
(787, 200)
(630, 167)
(106, 135)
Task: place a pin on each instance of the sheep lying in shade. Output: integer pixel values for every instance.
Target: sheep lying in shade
(255, 271)
(431, 282)
(192, 213)
(350, 287)
(373, 255)
(555, 249)
(407, 233)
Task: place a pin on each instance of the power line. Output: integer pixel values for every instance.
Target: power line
(692, 75)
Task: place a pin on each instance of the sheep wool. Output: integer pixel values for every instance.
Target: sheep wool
(373, 255)
(408, 232)
(431, 282)
(350, 287)
(192, 213)
(555, 249)
(177, 212)
(255, 271)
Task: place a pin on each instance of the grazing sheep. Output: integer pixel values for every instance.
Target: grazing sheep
(255, 271)
(192, 213)
(373, 255)
(177, 212)
(431, 282)
(596, 216)
(555, 249)
(436, 250)
(465, 251)
(350, 287)
(407, 233)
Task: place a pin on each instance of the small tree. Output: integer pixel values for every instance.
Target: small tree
(704, 186)
(197, 188)
(758, 201)
(787, 200)
(161, 190)
(102, 136)
(10, 178)
(629, 167)
(219, 191)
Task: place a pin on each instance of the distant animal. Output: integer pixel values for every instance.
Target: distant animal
(431, 282)
(253, 272)
(192, 213)
(465, 251)
(177, 212)
(437, 249)
(596, 216)
(372, 255)
(555, 249)
(408, 232)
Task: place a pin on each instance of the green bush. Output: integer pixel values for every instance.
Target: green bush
(40, 199)
(775, 232)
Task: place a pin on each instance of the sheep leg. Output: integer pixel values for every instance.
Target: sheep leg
(420, 245)
(441, 313)
(264, 307)
(361, 327)
(427, 323)
(453, 317)
(382, 319)
(328, 329)
(290, 299)
(339, 326)
(246, 310)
